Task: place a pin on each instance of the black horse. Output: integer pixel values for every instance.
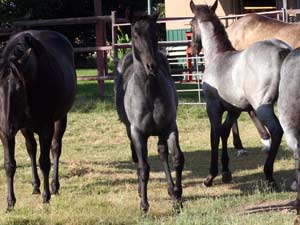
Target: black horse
(146, 103)
(236, 81)
(37, 89)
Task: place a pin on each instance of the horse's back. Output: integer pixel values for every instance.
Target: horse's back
(252, 28)
(50, 65)
(247, 78)
(261, 64)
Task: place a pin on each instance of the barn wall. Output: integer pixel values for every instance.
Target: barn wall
(180, 8)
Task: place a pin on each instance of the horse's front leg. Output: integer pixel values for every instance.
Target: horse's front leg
(162, 148)
(178, 163)
(56, 145)
(267, 116)
(139, 142)
(10, 169)
(225, 131)
(31, 147)
(214, 111)
(45, 138)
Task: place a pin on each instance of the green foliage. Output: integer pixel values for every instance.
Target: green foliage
(121, 38)
(161, 8)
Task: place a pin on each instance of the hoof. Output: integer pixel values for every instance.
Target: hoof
(297, 220)
(177, 206)
(294, 185)
(9, 209)
(273, 186)
(241, 152)
(208, 181)
(46, 198)
(36, 191)
(144, 208)
(226, 177)
(10, 205)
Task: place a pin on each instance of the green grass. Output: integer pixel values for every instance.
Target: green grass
(98, 179)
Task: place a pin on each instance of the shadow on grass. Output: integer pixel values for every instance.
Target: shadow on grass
(26, 221)
(197, 167)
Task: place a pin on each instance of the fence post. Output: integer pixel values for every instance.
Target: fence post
(100, 41)
(114, 40)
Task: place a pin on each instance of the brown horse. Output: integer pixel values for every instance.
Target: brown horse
(252, 28)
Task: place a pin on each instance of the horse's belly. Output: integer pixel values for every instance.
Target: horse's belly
(230, 98)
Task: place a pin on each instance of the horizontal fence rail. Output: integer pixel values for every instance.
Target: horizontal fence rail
(119, 22)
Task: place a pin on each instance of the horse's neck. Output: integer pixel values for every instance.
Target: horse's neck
(214, 39)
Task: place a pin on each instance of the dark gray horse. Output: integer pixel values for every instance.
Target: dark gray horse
(289, 109)
(146, 103)
(37, 89)
(236, 81)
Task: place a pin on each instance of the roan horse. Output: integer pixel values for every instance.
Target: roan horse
(37, 89)
(236, 81)
(250, 29)
(237, 143)
(289, 109)
(146, 102)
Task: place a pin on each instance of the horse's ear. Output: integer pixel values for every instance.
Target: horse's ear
(155, 15)
(214, 6)
(192, 5)
(24, 51)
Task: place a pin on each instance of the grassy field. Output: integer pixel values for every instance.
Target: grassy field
(98, 180)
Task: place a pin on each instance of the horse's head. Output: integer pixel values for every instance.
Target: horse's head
(145, 41)
(202, 13)
(13, 96)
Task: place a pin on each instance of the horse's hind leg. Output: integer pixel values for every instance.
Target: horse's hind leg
(139, 142)
(293, 141)
(263, 133)
(237, 143)
(225, 131)
(214, 111)
(133, 156)
(45, 137)
(56, 145)
(31, 147)
(178, 163)
(267, 116)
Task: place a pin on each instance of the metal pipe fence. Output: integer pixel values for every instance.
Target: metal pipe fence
(197, 61)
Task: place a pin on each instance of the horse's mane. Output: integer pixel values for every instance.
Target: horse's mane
(205, 15)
